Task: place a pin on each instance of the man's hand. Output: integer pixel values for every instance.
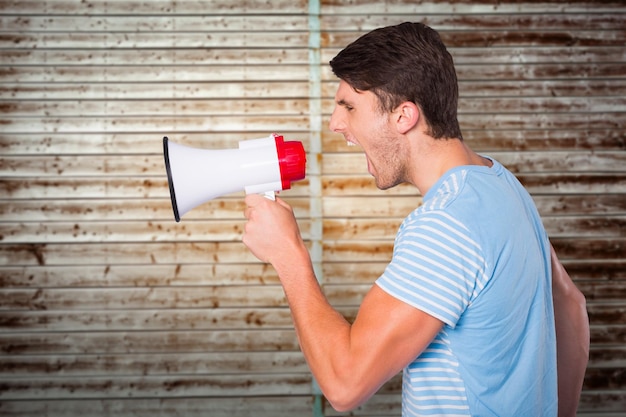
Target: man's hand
(271, 231)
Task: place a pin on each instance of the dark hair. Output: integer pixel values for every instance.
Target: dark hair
(407, 62)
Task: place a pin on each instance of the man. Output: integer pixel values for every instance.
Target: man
(465, 307)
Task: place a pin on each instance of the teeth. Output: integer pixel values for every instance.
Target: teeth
(350, 143)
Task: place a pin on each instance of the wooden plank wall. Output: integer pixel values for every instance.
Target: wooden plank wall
(107, 306)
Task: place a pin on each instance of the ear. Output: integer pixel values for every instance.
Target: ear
(406, 116)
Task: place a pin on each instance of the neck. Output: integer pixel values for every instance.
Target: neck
(434, 157)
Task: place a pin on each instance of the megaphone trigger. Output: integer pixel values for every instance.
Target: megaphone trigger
(262, 166)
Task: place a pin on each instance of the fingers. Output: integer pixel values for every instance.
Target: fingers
(253, 200)
(257, 200)
(283, 203)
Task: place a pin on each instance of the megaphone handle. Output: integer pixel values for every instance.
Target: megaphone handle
(270, 195)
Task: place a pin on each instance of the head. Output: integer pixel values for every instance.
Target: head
(407, 62)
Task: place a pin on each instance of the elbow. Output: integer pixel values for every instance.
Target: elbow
(346, 394)
(344, 402)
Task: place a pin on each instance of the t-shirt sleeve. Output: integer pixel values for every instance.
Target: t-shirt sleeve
(436, 267)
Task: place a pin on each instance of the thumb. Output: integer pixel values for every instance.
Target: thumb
(283, 203)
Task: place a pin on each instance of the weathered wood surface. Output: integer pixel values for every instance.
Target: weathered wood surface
(109, 307)
(248, 406)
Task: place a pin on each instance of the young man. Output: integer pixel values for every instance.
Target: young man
(465, 307)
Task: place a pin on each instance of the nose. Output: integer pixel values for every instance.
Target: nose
(336, 124)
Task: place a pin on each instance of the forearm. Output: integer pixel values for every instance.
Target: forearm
(323, 333)
(272, 234)
(572, 356)
(572, 331)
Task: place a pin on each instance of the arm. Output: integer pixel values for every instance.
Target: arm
(572, 337)
(350, 362)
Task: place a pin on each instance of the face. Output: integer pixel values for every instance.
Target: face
(358, 117)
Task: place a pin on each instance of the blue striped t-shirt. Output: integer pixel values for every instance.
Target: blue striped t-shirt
(475, 255)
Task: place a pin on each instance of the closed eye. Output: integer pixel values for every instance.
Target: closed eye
(345, 105)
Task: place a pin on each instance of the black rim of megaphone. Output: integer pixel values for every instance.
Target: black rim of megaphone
(170, 180)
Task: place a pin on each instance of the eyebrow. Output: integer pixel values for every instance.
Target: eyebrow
(344, 103)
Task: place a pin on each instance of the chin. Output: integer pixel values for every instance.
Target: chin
(385, 185)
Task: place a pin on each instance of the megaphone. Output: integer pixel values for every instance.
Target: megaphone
(263, 165)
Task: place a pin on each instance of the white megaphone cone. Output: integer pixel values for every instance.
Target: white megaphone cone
(196, 176)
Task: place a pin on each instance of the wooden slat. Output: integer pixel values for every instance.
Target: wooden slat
(608, 248)
(165, 22)
(595, 269)
(203, 363)
(607, 313)
(147, 342)
(151, 387)
(113, 275)
(158, 91)
(607, 356)
(211, 23)
(223, 406)
(204, 297)
(137, 73)
(160, 7)
(124, 108)
(603, 291)
(609, 403)
(141, 40)
(604, 379)
(125, 231)
(87, 318)
(31, 254)
(157, 126)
